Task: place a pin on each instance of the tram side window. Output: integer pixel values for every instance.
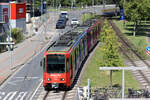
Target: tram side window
(67, 65)
(76, 59)
(80, 50)
(84, 47)
(44, 64)
(89, 36)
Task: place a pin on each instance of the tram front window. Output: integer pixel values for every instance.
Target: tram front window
(55, 64)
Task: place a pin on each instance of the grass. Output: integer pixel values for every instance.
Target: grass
(87, 16)
(139, 41)
(109, 10)
(101, 78)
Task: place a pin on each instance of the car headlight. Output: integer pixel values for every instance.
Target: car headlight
(49, 79)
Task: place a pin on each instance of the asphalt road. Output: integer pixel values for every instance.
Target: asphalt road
(22, 84)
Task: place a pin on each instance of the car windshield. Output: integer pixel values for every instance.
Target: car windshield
(74, 20)
(59, 22)
(55, 63)
(63, 13)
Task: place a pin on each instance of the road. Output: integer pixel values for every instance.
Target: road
(22, 84)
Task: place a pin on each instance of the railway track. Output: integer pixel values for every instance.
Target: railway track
(129, 51)
(41, 94)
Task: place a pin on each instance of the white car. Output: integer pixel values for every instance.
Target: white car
(64, 14)
(74, 21)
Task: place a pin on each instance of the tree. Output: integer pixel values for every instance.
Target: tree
(110, 50)
(136, 10)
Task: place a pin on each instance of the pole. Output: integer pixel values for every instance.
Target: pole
(53, 3)
(33, 8)
(10, 23)
(103, 4)
(9, 48)
(123, 86)
(88, 89)
(41, 7)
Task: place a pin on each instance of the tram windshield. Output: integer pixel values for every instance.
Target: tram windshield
(55, 63)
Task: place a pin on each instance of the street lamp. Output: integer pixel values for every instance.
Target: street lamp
(33, 8)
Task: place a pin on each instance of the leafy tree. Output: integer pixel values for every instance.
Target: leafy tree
(17, 35)
(110, 49)
(136, 10)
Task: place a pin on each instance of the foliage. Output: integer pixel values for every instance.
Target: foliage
(111, 56)
(139, 41)
(17, 35)
(99, 78)
(136, 10)
(76, 2)
(87, 16)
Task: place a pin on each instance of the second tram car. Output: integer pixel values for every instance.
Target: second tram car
(63, 59)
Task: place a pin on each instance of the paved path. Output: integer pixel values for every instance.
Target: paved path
(10, 61)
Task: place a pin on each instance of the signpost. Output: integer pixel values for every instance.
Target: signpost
(121, 14)
(148, 50)
(123, 69)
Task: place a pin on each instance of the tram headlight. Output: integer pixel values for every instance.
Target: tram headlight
(62, 79)
(49, 79)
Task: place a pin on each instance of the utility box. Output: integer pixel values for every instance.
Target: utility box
(17, 15)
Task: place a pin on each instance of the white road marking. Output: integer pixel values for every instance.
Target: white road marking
(28, 77)
(2, 93)
(21, 96)
(10, 95)
(14, 82)
(36, 90)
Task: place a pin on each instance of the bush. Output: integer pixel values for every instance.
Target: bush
(17, 35)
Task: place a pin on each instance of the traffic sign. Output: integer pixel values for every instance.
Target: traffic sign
(148, 50)
(122, 14)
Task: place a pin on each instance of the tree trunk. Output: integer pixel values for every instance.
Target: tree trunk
(103, 4)
(134, 31)
(110, 78)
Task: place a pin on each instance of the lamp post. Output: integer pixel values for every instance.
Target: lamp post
(9, 38)
(33, 7)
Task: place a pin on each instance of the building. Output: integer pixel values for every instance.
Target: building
(4, 16)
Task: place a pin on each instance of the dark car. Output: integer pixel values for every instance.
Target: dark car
(62, 19)
(60, 24)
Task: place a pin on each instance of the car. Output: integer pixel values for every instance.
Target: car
(64, 14)
(60, 24)
(63, 19)
(74, 21)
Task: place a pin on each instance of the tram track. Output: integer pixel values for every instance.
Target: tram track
(128, 49)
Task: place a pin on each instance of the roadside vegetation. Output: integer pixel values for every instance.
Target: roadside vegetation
(86, 16)
(108, 55)
(17, 35)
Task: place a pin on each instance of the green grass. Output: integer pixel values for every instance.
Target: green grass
(87, 16)
(101, 78)
(139, 41)
(110, 10)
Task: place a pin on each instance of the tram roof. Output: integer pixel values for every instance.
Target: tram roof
(67, 40)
